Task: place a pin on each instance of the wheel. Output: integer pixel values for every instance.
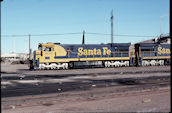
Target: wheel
(71, 65)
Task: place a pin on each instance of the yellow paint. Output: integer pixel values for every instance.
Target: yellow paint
(57, 50)
(106, 51)
(83, 59)
(163, 50)
(91, 52)
(148, 51)
(60, 51)
(47, 45)
(157, 57)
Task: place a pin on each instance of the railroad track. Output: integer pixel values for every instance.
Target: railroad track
(124, 87)
(139, 83)
(39, 76)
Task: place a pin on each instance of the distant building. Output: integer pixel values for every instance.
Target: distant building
(23, 56)
(14, 56)
(10, 56)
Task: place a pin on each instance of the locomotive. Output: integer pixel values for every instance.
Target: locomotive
(57, 56)
(148, 54)
(64, 56)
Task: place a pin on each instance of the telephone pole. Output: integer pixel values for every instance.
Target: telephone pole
(0, 27)
(112, 26)
(161, 25)
(29, 47)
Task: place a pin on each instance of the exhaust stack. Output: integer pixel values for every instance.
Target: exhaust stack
(83, 38)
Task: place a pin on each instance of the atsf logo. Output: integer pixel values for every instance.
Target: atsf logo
(163, 50)
(95, 51)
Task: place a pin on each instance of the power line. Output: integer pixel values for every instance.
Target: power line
(97, 33)
(56, 34)
(121, 35)
(41, 34)
(91, 33)
(14, 35)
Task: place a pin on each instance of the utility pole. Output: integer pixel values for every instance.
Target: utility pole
(112, 26)
(29, 47)
(170, 33)
(161, 17)
(0, 29)
(160, 25)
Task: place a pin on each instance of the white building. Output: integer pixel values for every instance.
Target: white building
(14, 56)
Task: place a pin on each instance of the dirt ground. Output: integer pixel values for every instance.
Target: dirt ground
(147, 101)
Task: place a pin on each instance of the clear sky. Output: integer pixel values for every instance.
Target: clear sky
(131, 17)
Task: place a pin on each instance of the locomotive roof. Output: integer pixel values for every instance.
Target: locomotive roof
(113, 44)
(149, 44)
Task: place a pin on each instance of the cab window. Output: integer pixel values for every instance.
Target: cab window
(48, 49)
(39, 47)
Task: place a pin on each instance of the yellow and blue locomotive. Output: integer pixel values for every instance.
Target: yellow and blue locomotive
(150, 54)
(64, 56)
(57, 56)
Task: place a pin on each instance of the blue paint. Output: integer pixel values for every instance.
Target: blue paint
(47, 57)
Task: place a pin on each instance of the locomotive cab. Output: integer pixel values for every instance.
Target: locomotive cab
(45, 51)
(46, 55)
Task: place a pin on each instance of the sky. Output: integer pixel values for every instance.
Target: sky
(19, 18)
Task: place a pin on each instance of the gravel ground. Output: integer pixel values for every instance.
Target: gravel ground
(147, 101)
